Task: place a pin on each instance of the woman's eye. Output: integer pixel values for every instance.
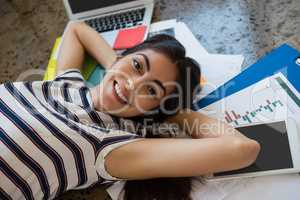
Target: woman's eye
(137, 65)
(152, 91)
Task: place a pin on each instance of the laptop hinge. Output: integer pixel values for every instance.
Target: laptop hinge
(109, 12)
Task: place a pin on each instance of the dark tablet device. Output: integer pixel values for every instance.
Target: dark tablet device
(279, 150)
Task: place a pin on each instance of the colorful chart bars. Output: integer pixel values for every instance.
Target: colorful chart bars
(233, 117)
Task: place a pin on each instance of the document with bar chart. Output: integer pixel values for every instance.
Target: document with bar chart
(270, 99)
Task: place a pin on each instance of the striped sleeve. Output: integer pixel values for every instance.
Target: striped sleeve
(71, 76)
(111, 141)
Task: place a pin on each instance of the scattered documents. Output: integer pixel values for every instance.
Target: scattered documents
(192, 45)
(216, 69)
(270, 99)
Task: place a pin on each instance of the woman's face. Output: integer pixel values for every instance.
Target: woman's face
(136, 83)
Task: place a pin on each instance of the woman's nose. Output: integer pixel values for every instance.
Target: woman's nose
(133, 83)
(129, 85)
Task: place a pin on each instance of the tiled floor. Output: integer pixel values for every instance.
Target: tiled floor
(28, 28)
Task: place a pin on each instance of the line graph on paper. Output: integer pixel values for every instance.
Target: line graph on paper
(267, 100)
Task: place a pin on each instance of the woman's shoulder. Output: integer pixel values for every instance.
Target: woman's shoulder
(71, 76)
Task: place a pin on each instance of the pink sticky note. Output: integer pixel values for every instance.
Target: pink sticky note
(127, 38)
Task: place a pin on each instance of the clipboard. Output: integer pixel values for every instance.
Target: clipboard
(285, 59)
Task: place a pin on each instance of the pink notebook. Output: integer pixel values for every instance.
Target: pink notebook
(127, 38)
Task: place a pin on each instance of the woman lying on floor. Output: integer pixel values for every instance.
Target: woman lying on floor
(60, 135)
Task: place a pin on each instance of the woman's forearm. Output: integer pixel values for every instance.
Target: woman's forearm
(95, 45)
(153, 158)
(78, 39)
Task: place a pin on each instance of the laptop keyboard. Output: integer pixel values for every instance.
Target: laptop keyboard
(117, 21)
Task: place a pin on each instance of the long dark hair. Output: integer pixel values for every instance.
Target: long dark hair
(188, 78)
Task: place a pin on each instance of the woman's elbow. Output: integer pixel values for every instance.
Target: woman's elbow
(247, 150)
(74, 26)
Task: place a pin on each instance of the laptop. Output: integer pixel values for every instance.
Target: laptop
(109, 16)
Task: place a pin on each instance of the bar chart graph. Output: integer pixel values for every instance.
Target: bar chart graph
(270, 99)
(232, 116)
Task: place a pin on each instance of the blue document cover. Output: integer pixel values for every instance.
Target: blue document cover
(283, 59)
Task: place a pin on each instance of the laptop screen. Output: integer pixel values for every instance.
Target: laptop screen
(82, 6)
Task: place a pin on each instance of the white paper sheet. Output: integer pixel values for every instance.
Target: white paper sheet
(216, 190)
(189, 41)
(163, 25)
(217, 69)
(277, 187)
(263, 101)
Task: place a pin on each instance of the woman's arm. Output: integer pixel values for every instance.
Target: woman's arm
(153, 158)
(221, 148)
(79, 38)
(199, 125)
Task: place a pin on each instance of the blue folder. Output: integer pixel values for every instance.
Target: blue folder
(283, 59)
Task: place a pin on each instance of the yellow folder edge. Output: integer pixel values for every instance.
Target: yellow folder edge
(51, 68)
(88, 66)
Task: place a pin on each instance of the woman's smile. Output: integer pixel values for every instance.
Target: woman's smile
(120, 94)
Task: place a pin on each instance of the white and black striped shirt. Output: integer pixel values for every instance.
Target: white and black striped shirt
(52, 139)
